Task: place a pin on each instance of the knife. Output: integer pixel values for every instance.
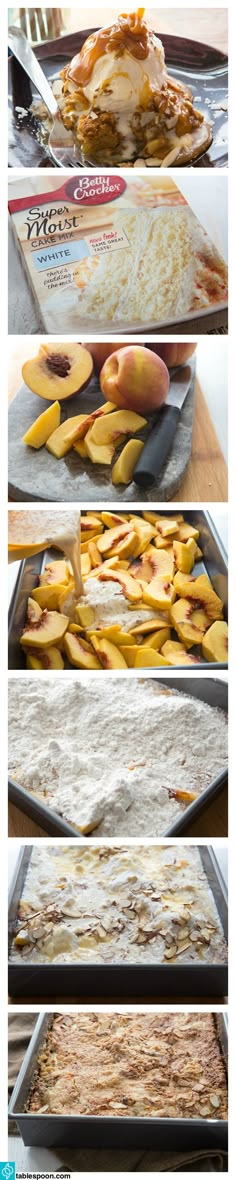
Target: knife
(161, 437)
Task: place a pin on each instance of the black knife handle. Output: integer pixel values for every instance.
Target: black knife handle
(157, 447)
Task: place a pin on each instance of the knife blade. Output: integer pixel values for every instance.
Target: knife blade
(162, 433)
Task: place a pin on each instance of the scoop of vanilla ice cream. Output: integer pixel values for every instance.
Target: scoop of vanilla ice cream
(118, 83)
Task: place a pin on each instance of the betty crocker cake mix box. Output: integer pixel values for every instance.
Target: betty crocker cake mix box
(104, 253)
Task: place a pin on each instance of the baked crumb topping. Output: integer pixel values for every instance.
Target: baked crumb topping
(132, 1064)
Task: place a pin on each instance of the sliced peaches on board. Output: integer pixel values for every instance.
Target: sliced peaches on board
(58, 371)
(40, 431)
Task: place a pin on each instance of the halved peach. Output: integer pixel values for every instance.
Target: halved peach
(58, 370)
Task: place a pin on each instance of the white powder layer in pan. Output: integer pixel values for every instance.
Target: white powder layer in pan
(110, 759)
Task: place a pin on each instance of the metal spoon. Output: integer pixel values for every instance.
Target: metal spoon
(60, 141)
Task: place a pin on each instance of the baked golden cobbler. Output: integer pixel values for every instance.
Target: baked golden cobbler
(135, 1064)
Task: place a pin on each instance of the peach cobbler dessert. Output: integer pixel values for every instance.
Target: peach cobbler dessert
(122, 105)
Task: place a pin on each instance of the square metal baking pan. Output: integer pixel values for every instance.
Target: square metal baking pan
(105, 1132)
(213, 563)
(28, 979)
(213, 692)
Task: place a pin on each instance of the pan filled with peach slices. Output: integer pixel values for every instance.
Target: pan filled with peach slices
(155, 595)
(104, 408)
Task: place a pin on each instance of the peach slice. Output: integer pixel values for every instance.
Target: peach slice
(112, 537)
(107, 429)
(98, 454)
(66, 592)
(79, 652)
(110, 656)
(40, 431)
(85, 615)
(48, 596)
(124, 548)
(89, 526)
(112, 519)
(55, 571)
(156, 624)
(47, 632)
(122, 471)
(80, 449)
(85, 565)
(190, 624)
(156, 562)
(184, 555)
(58, 370)
(154, 517)
(129, 653)
(61, 440)
(114, 634)
(89, 419)
(111, 563)
(33, 611)
(94, 554)
(148, 658)
(168, 527)
(145, 533)
(187, 531)
(130, 588)
(201, 592)
(160, 593)
(49, 659)
(156, 640)
(161, 542)
(33, 663)
(175, 653)
(215, 643)
(180, 580)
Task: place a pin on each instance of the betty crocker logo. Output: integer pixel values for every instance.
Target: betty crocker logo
(94, 190)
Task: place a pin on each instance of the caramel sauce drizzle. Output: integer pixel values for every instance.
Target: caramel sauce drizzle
(129, 33)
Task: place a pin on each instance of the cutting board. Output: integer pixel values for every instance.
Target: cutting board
(37, 475)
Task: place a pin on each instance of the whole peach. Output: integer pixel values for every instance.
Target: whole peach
(135, 379)
(100, 352)
(173, 354)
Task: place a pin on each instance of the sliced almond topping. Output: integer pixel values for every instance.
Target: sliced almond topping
(214, 1100)
(172, 950)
